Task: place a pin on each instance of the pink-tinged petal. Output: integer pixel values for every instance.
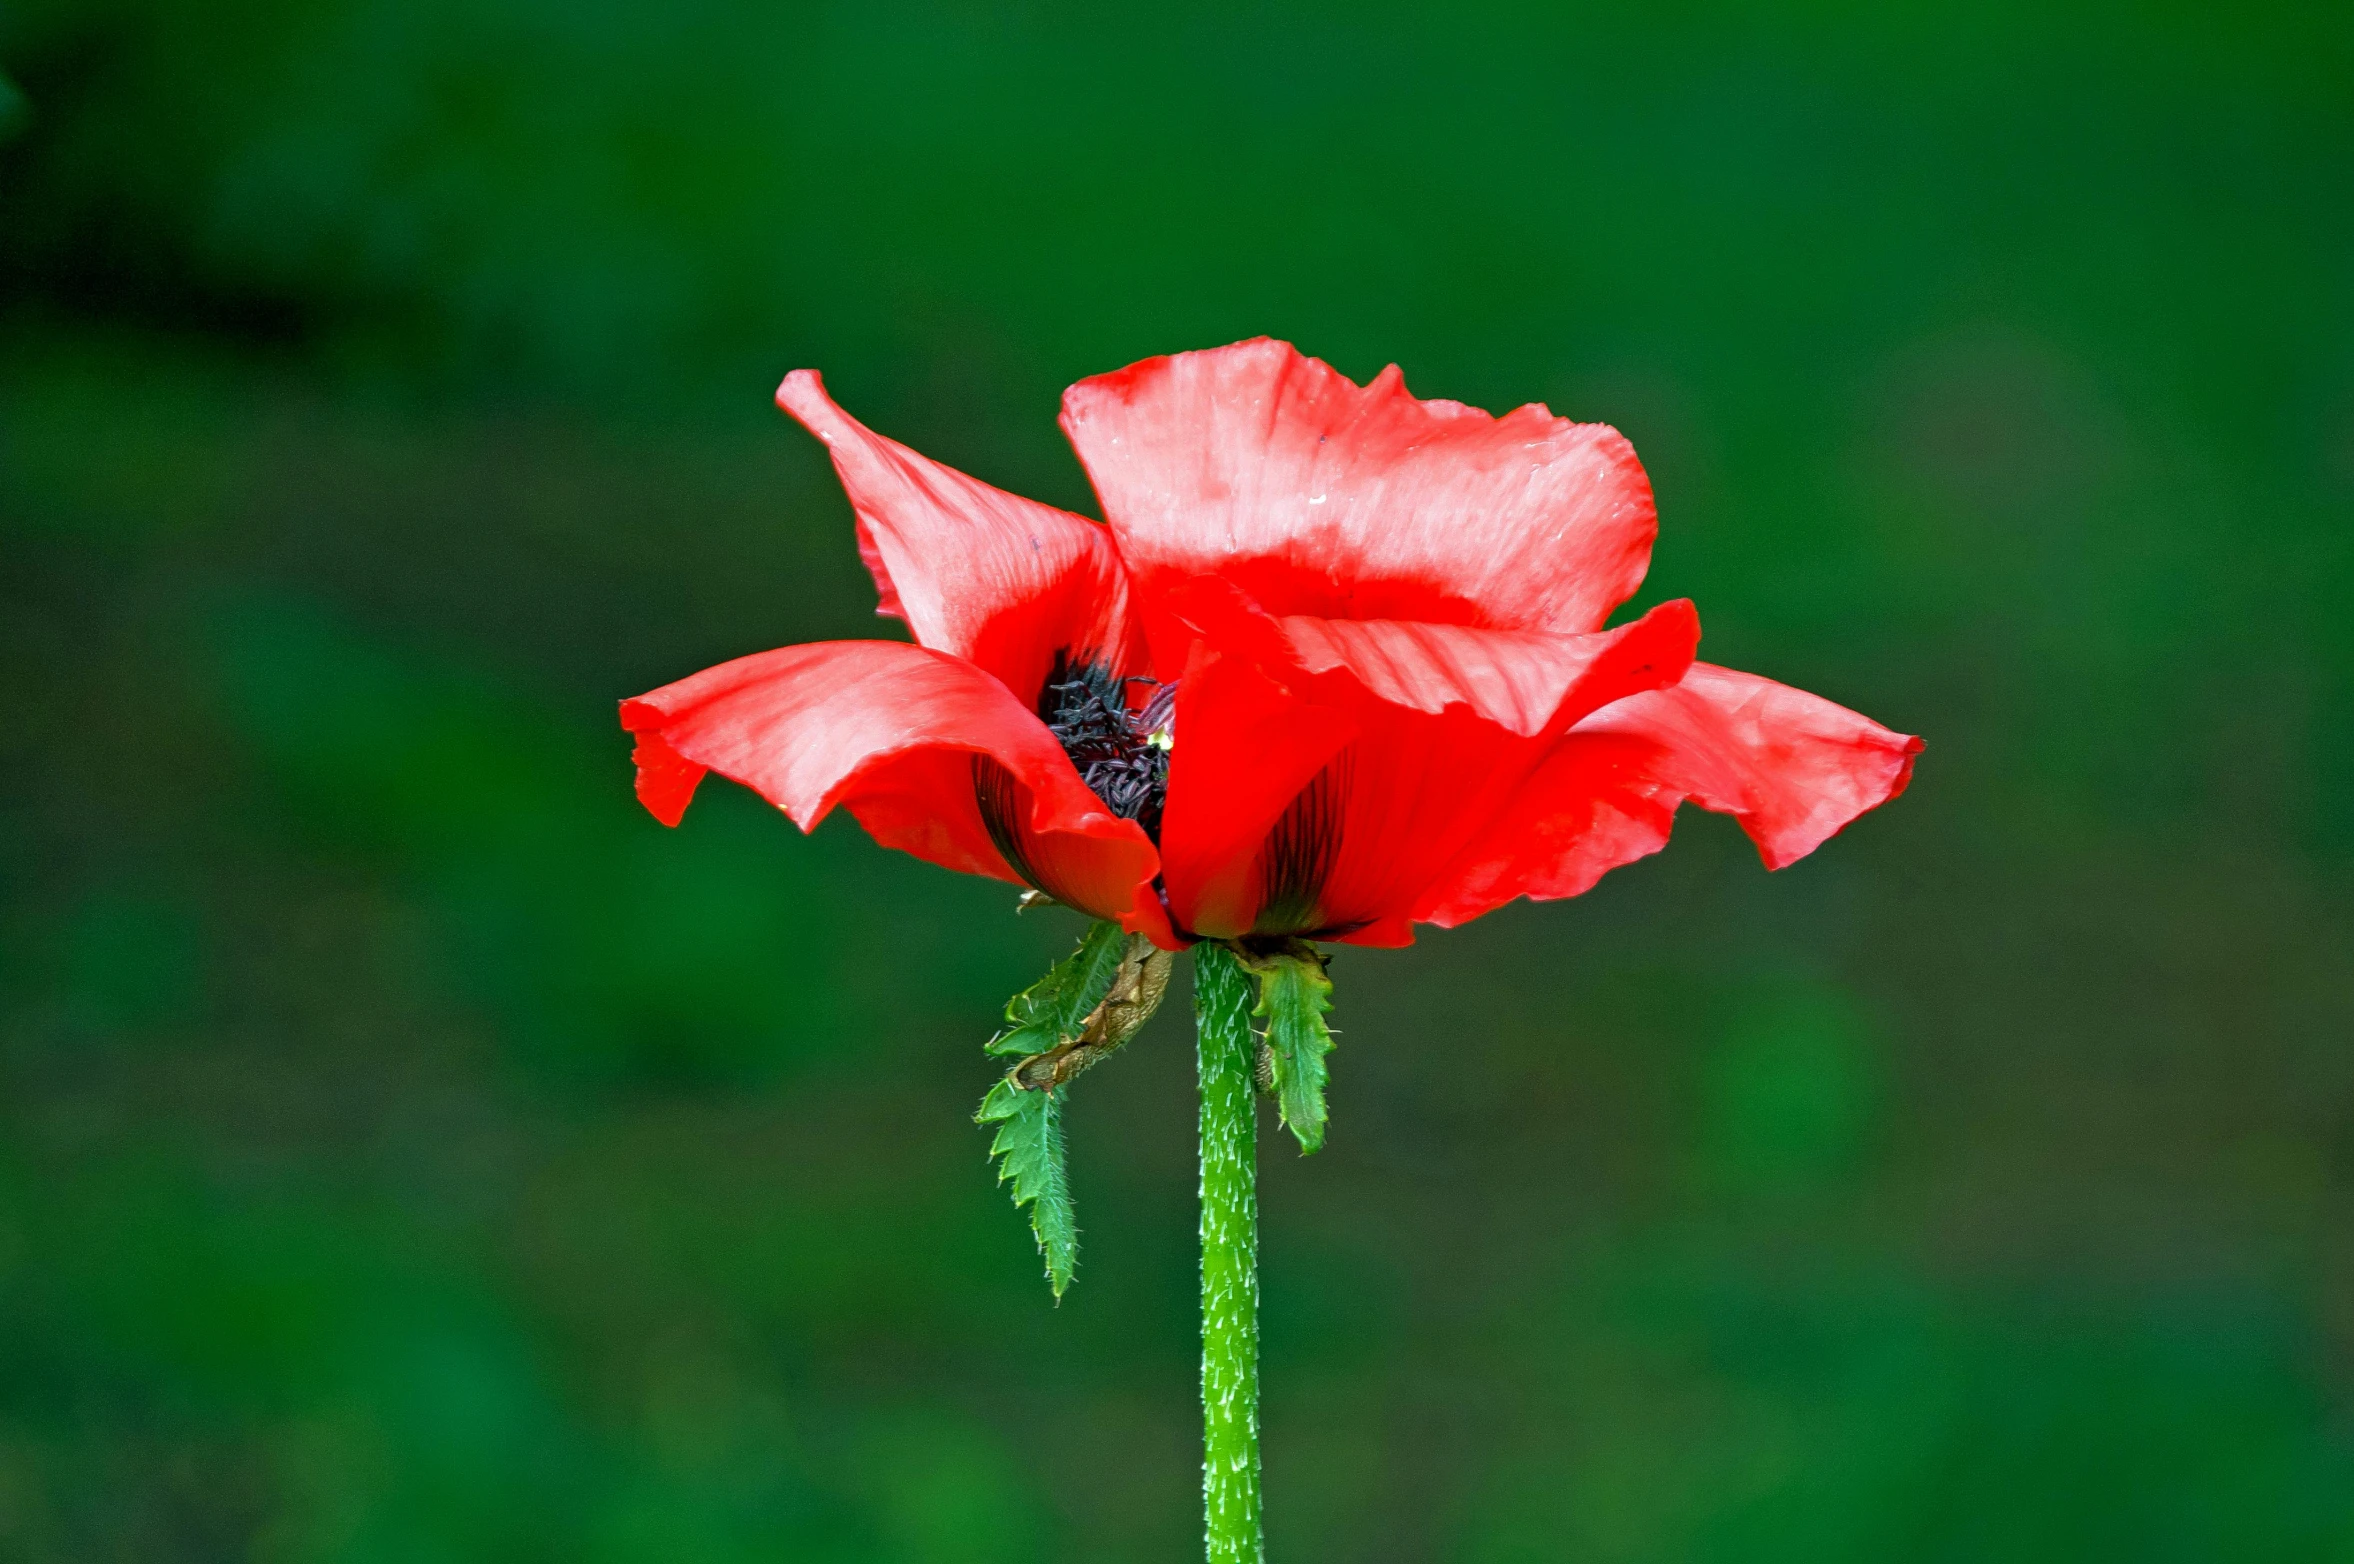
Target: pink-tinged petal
(914, 743)
(1318, 496)
(1792, 767)
(1369, 754)
(1518, 680)
(988, 576)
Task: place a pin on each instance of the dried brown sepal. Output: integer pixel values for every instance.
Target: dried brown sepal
(1135, 993)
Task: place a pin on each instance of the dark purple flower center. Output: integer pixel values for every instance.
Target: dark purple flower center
(1122, 753)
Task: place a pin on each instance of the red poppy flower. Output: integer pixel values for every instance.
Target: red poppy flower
(1334, 664)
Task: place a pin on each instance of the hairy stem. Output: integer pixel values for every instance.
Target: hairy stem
(1230, 1257)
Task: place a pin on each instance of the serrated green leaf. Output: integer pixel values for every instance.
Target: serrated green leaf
(1029, 1144)
(1294, 994)
(1029, 1153)
(1054, 1008)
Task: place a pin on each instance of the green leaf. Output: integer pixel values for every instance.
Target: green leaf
(1053, 1009)
(1294, 994)
(1029, 1149)
(1029, 1144)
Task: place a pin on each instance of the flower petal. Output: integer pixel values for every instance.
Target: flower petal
(1792, 767)
(1518, 680)
(1318, 496)
(909, 740)
(999, 580)
(1246, 743)
(1444, 743)
(1367, 755)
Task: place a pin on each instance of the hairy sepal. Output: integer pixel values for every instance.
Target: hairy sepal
(1294, 994)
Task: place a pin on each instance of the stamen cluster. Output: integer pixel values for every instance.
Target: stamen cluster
(1121, 752)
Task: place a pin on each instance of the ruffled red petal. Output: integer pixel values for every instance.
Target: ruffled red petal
(1792, 767)
(1365, 754)
(909, 740)
(991, 577)
(1317, 496)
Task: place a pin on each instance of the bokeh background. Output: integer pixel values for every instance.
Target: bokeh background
(410, 1152)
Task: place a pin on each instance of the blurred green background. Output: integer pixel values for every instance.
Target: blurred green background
(410, 1152)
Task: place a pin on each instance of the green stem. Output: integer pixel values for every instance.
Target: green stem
(1230, 1256)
